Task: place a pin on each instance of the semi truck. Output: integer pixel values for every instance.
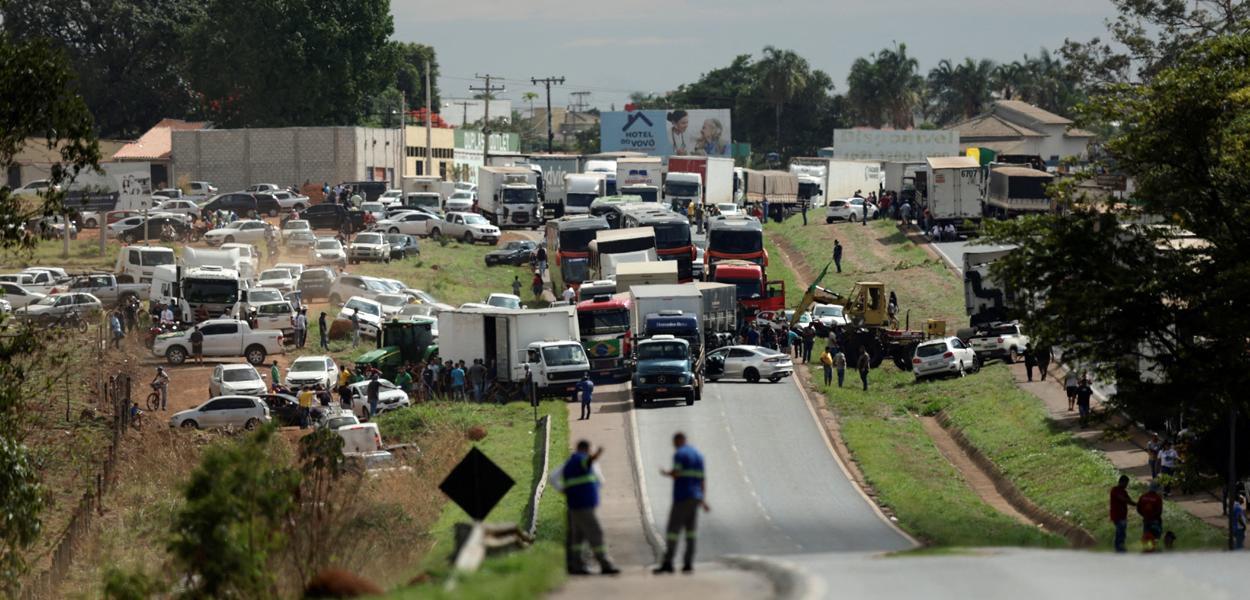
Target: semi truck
(955, 187)
(712, 181)
(640, 177)
(554, 168)
(603, 323)
(986, 300)
(413, 184)
(508, 196)
(1016, 190)
(543, 343)
(582, 189)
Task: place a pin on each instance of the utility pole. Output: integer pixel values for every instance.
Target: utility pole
(429, 118)
(487, 90)
(403, 139)
(464, 114)
(547, 81)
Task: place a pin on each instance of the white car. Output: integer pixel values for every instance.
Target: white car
(460, 201)
(32, 188)
(244, 230)
(946, 356)
(224, 411)
(235, 379)
(348, 285)
(389, 398)
(178, 206)
(392, 303)
(294, 225)
(369, 246)
(751, 363)
(290, 200)
(18, 296)
(728, 209)
(262, 187)
(327, 251)
(376, 208)
(504, 301)
(278, 279)
(275, 316)
(310, 371)
(470, 227)
(368, 315)
(829, 315)
(296, 269)
(413, 222)
(259, 295)
(848, 209)
(999, 340)
(391, 197)
(54, 308)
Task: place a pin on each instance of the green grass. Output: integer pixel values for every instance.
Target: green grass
(1009, 426)
(511, 442)
(84, 254)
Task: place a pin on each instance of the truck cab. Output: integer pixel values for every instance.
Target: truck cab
(680, 189)
(556, 366)
(755, 294)
(665, 367)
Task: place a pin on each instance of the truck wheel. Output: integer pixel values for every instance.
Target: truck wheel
(255, 354)
(689, 398)
(176, 355)
(436, 233)
(751, 375)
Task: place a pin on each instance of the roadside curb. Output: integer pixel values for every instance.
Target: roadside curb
(789, 581)
(640, 487)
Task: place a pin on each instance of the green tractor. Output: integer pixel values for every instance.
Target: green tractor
(402, 340)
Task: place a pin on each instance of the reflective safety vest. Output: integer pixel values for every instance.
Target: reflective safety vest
(581, 487)
(688, 474)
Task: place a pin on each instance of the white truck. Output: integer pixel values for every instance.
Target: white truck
(508, 196)
(554, 168)
(900, 177)
(714, 177)
(204, 291)
(986, 300)
(645, 273)
(222, 337)
(227, 258)
(426, 191)
(644, 300)
(640, 177)
(581, 189)
(546, 341)
(955, 191)
(605, 166)
(138, 262)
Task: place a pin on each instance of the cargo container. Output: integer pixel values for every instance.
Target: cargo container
(640, 177)
(554, 168)
(582, 189)
(715, 183)
(508, 196)
(645, 273)
(1015, 190)
(954, 191)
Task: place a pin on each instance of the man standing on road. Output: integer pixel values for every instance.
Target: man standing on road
(568, 294)
(325, 331)
(301, 328)
(585, 388)
(580, 479)
(837, 255)
(689, 489)
(863, 364)
(1150, 507)
(516, 285)
(1043, 361)
(1120, 501)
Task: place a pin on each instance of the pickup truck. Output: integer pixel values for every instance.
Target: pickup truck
(222, 337)
(105, 287)
(469, 227)
(999, 340)
(664, 368)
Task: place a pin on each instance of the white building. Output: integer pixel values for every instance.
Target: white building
(1018, 128)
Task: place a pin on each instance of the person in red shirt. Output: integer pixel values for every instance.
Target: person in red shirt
(1150, 507)
(1120, 502)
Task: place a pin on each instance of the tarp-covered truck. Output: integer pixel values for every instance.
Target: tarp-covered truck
(1016, 190)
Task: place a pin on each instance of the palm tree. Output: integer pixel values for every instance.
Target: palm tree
(782, 73)
(960, 91)
(530, 97)
(885, 88)
(1008, 79)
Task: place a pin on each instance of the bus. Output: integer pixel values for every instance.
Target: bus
(603, 322)
(733, 238)
(672, 235)
(568, 241)
(617, 246)
(610, 208)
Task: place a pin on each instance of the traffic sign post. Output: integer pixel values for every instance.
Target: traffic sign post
(476, 484)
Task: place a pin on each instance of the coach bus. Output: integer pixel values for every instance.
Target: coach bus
(672, 235)
(568, 241)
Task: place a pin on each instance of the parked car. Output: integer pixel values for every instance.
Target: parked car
(327, 251)
(300, 240)
(246, 412)
(470, 227)
(289, 200)
(256, 296)
(235, 379)
(279, 279)
(460, 200)
(336, 420)
(244, 204)
(316, 283)
(246, 230)
(292, 226)
(829, 315)
(403, 245)
(328, 215)
(33, 188)
(348, 285)
(849, 209)
(377, 209)
(727, 209)
(751, 363)
(368, 315)
(166, 227)
(513, 253)
(54, 308)
(945, 356)
(222, 337)
(198, 190)
(369, 246)
(18, 296)
(504, 301)
(283, 408)
(276, 316)
(411, 222)
(392, 303)
(105, 288)
(312, 370)
(999, 340)
(389, 398)
(293, 267)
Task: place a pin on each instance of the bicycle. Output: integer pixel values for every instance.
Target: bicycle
(154, 399)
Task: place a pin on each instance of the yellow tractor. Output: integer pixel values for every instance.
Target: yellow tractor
(869, 324)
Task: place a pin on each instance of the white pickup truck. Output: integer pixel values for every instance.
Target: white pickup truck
(999, 340)
(222, 337)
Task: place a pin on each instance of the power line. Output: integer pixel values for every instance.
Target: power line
(464, 118)
(547, 81)
(487, 91)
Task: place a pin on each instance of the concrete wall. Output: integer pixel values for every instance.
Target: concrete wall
(233, 159)
(1057, 144)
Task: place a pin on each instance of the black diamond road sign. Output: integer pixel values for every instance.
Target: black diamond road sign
(476, 484)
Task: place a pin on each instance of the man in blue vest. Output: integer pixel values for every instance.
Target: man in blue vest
(586, 389)
(688, 492)
(580, 479)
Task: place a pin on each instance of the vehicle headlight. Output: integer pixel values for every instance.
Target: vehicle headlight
(681, 379)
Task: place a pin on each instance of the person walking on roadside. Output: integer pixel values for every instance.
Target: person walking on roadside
(1119, 503)
(579, 480)
(826, 361)
(301, 328)
(1030, 361)
(1070, 383)
(809, 342)
(117, 329)
(536, 286)
(1150, 507)
(1083, 394)
(161, 383)
(1153, 447)
(1168, 458)
(355, 329)
(324, 330)
(585, 389)
(1239, 522)
(541, 253)
(689, 494)
(516, 285)
(1043, 361)
(837, 255)
(197, 345)
(839, 364)
(863, 364)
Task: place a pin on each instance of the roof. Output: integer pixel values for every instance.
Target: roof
(1002, 147)
(656, 267)
(1033, 112)
(1022, 172)
(742, 223)
(35, 151)
(157, 142)
(1078, 132)
(573, 222)
(612, 235)
(953, 162)
(992, 126)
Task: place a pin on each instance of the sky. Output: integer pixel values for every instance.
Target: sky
(613, 48)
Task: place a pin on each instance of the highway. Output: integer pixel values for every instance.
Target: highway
(773, 484)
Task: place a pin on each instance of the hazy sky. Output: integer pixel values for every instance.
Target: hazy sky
(613, 48)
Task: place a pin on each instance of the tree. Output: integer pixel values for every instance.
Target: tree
(385, 109)
(960, 91)
(122, 51)
(782, 73)
(885, 88)
(530, 97)
(410, 60)
(277, 63)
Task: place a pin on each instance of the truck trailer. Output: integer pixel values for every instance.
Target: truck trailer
(715, 181)
(554, 168)
(543, 343)
(1016, 190)
(582, 189)
(954, 190)
(640, 177)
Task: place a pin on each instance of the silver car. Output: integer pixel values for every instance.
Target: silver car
(223, 411)
(751, 363)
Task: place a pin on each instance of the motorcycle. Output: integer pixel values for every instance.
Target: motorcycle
(157, 329)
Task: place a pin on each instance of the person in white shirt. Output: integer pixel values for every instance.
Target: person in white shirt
(301, 328)
(569, 294)
(167, 314)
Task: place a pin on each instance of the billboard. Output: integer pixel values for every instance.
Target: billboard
(696, 132)
(895, 146)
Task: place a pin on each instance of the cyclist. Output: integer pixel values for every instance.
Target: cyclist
(161, 385)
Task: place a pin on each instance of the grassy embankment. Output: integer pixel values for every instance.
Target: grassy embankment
(1009, 426)
(511, 442)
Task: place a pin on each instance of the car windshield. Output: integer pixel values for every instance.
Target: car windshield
(1003, 330)
(662, 350)
(275, 274)
(308, 366)
(296, 224)
(475, 220)
(504, 301)
(369, 238)
(314, 275)
(48, 300)
(828, 310)
(727, 208)
(392, 300)
(363, 307)
(564, 355)
(576, 240)
(928, 350)
(328, 245)
(256, 296)
(337, 422)
(235, 375)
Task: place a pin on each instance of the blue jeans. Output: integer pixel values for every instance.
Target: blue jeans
(828, 374)
(1239, 539)
(1121, 531)
(841, 376)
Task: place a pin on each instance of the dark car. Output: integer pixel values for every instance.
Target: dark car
(316, 282)
(328, 215)
(244, 204)
(157, 229)
(284, 408)
(514, 253)
(368, 190)
(402, 245)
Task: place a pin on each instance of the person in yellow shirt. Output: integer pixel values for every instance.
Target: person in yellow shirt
(305, 406)
(826, 360)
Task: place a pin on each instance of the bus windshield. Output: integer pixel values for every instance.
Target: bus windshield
(735, 241)
(590, 322)
(576, 240)
(574, 270)
(672, 235)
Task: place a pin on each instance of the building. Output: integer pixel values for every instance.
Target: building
(34, 161)
(468, 155)
(443, 147)
(156, 147)
(1018, 128)
(233, 159)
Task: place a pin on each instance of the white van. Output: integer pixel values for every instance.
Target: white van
(139, 261)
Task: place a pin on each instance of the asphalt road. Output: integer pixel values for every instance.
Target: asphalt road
(773, 485)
